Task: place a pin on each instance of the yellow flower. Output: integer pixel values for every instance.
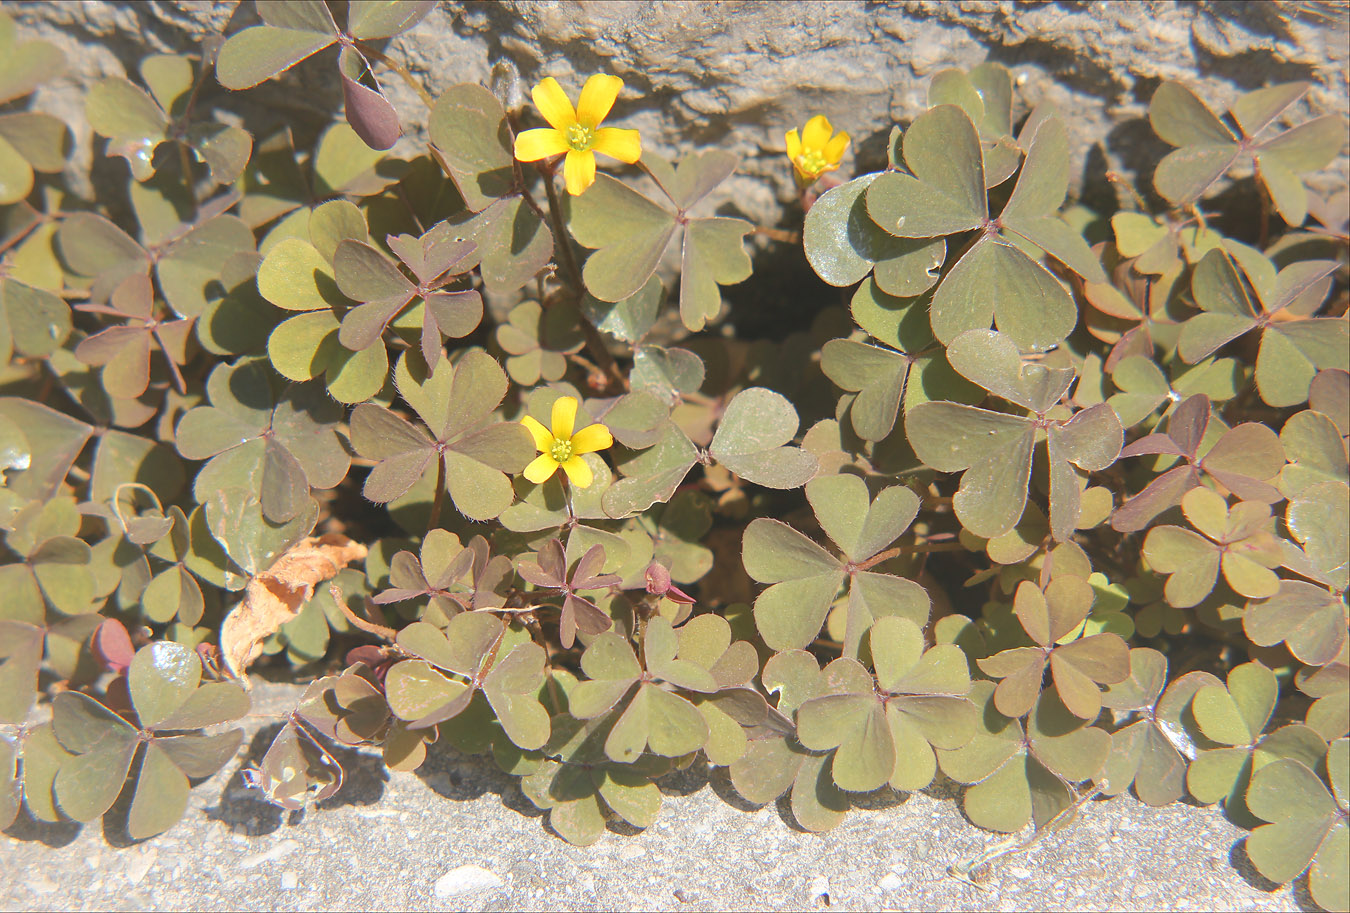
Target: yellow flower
(562, 447)
(815, 152)
(578, 132)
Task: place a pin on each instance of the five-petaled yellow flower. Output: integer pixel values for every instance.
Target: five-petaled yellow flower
(562, 447)
(815, 153)
(578, 132)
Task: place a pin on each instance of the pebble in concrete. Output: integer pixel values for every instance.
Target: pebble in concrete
(466, 881)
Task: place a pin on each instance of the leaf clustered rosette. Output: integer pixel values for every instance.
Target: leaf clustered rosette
(1056, 505)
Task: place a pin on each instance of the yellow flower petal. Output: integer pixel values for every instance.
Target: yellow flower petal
(592, 438)
(541, 143)
(597, 97)
(618, 143)
(541, 469)
(564, 417)
(834, 149)
(579, 171)
(543, 440)
(578, 472)
(817, 132)
(794, 144)
(552, 103)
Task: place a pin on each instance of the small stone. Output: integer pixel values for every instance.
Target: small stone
(42, 885)
(282, 849)
(138, 865)
(632, 851)
(289, 881)
(819, 891)
(891, 882)
(467, 879)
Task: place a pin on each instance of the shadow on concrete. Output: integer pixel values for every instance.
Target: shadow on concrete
(685, 782)
(720, 781)
(463, 778)
(50, 833)
(1303, 896)
(1242, 864)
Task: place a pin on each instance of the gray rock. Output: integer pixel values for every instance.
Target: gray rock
(737, 75)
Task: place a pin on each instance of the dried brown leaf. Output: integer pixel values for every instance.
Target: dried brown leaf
(275, 596)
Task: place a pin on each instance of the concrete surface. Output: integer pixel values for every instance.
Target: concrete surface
(459, 835)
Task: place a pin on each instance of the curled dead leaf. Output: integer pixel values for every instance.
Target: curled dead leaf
(275, 596)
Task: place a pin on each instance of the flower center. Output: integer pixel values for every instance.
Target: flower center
(580, 137)
(561, 451)
(812, 161)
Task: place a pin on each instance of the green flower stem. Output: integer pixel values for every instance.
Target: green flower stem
(563, 245)
(179, 131)
(562, 242)
(567, 498)
(185, 165)
(435, 519)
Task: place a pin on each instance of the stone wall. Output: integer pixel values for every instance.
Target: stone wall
(737, 74)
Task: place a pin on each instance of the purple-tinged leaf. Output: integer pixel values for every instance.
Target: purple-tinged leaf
(368, 111)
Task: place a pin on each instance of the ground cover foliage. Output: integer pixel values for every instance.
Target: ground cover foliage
(1055, 506)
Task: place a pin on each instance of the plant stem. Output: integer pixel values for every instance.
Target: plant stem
(778, 234)
(561, 243)
(369, 627)
(439, 496)
(563, 246)
(910, 550)
(178, 383)
(23, 232)
(486, 665)
(567, 497)
(185, 163)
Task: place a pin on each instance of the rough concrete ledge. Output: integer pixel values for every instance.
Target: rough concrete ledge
(735, 75)
(459, 835)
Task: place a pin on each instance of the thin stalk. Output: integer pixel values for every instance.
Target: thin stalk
(23, 232)
(561, 244)
(910, 550)
(971, 870)
(369, 627)
(178, 383)
(185, 163)
(439, 496)
(778, 234)
(567, 497)
(486, 665)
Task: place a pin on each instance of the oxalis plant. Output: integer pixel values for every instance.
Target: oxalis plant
(1055, 506)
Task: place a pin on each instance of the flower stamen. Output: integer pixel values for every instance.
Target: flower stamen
(580, 137)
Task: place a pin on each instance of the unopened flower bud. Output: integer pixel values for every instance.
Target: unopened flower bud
(658, 584)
